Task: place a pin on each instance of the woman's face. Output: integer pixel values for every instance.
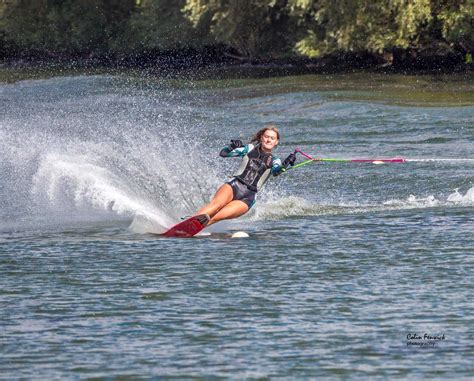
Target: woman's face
(269, 140)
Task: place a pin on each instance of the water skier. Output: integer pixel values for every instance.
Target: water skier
(235, 197)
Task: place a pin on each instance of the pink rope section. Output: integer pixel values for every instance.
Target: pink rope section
(304, 154)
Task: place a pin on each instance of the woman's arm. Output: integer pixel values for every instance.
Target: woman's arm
(278, 167)
(230, 151)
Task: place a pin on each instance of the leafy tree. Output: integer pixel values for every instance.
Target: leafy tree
(161, 24)
(358, 25)
(457, 19)
(69, 26)
(252, 27)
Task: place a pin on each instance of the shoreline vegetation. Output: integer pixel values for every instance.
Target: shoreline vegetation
(190, 68)
(203, 39)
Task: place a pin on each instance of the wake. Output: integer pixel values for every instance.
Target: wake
(299, 207)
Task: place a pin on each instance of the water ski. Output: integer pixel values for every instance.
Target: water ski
(188, 227)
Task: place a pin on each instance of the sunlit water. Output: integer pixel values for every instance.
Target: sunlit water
(342, 263)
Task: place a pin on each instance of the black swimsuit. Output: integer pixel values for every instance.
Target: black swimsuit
(254, 170)
(242, 192)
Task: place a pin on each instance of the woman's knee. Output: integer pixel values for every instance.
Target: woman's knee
(233, 209)
(214, 208)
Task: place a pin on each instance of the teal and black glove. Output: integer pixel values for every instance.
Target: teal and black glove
(236, 144)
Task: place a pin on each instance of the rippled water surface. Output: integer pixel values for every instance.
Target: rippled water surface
(348, 269)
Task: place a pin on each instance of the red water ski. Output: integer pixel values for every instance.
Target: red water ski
(188, 227)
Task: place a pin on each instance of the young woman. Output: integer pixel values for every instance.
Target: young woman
(237, 196)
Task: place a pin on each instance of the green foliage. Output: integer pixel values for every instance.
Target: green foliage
(65, 26)
(458, 23)
(356, 25)
(161, 25)
(254, 28)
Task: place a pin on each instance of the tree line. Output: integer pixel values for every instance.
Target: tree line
(245, 30)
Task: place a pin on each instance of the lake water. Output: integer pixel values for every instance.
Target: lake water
(348, 268)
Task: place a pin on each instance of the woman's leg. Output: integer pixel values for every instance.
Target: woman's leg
(223, 196)
(233, 209)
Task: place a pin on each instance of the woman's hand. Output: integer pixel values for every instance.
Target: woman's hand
(290, 160)
(236, 144)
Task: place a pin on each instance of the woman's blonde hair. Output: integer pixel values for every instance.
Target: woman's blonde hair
(258, 136)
